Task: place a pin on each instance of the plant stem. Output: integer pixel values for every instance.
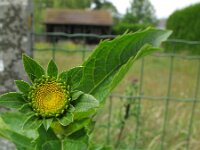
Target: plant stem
(126, 115)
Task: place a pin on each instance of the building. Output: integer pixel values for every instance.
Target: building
(78, 21)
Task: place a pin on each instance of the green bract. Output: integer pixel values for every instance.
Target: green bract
(55, 111)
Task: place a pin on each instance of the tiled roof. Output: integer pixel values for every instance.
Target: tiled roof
(78, 17)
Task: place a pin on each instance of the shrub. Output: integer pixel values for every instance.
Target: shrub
(186, 26)
(185, 23)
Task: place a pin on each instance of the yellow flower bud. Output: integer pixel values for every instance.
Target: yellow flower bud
(49, 97)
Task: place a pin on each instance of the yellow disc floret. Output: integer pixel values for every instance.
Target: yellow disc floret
(49, 97)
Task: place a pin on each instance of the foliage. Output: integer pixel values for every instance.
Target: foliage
(108, 6)
(185, 25)
(105, 5)
(140, 11)
(73, 4)
(41, 123)
(120, 28)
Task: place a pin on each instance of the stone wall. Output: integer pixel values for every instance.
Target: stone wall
(15, 26)
(14, 40)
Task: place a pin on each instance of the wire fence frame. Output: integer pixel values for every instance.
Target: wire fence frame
(168, 98)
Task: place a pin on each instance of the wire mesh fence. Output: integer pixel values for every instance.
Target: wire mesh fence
(157, 104)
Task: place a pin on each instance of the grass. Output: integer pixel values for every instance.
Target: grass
(149, 114)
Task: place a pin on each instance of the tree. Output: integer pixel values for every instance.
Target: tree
(76, 4)
(103, 4)
(108, 6)
(72, 4)
(140, 11)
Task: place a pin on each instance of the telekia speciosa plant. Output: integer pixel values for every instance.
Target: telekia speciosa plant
(55, 111)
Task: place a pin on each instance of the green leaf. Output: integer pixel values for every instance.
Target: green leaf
(52, 145)
(76, 141)
(18, 139)
(13, 120)
(110, 56)
(11, 128)
(22, 86)
(66, 144)
(76, 94)
(72, 76)
(45, 137)
(12, 100)
(32, 122)
(145, 50)
(85, 105)
(47, 123)
(32, 68)
(52, 69)
(86, 102)
(85, 114)
(66, 120)
(19, 147)
(99, 147)
(75, 126)
(74, 145)
(71, 108)
(26, 108)
(123, 70)
(80, 135)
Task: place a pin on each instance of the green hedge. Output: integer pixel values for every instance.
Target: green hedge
(120, 28)
(185, 24)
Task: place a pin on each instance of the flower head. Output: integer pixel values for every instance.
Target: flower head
(49, 97)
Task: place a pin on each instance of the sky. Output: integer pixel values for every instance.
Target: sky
(163, 8)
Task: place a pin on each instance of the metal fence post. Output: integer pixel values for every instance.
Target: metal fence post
(193, 107)
(167, 101)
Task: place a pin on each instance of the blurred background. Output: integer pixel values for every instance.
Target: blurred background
(156, 106)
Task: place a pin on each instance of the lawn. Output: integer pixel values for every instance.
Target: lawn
(144, 127)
